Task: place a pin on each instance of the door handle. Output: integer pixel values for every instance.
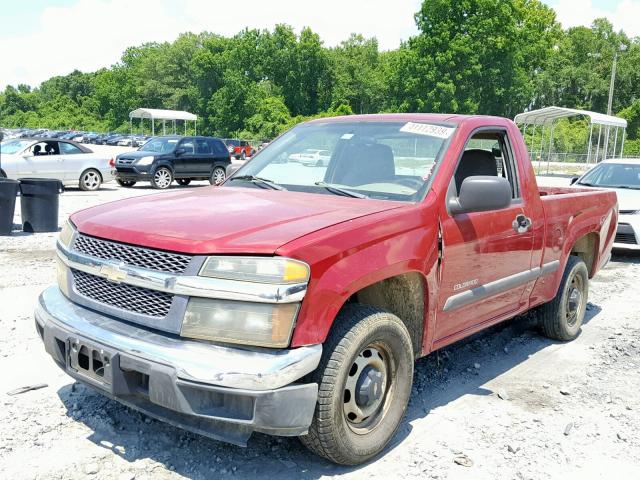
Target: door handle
(521, 224)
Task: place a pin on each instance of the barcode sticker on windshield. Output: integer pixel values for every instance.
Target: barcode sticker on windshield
(427, 129)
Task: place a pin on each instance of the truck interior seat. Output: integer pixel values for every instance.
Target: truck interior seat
(475, 162)
(365, 163)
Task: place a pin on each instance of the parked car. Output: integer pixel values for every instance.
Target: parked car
(315, 158)
(240, 149)
(69, 162)
(292, 305)
(163, 159)
(622, 175)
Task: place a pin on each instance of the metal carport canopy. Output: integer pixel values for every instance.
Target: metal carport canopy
(154, 114)
(548, 115)
(162, 114)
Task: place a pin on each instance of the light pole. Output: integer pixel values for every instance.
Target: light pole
(622, 48)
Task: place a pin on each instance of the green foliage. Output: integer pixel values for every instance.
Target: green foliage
(495, 57)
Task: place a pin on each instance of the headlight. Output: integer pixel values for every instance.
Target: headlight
(66, 234)
(247, 323)
(148, 160)
(257, 269)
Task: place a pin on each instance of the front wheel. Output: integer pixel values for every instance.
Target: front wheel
(218, 176)
(562, 317)
(90, 180)
(162, 178)
(364, 378)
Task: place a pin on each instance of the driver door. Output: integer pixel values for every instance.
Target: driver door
(36, 163)
(485, 258)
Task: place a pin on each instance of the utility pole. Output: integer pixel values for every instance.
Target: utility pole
(612, 83)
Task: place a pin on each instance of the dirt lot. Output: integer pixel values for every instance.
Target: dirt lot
(504, 404)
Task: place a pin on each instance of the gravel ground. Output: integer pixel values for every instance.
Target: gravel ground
(506, 403)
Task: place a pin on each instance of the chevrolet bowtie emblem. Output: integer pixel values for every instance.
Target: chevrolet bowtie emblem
(113, 272)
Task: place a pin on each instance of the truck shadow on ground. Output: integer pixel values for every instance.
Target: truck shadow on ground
(460, 369)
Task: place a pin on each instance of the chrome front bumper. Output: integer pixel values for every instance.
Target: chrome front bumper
(222, 392)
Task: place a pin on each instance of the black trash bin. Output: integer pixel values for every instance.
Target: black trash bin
(8, 191)
(39, 204)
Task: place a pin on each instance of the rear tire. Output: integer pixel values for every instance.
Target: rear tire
(364, 378)
(218, 176)
(183, 181)
(562, 317)
(162, 178)
(125, 183)
(90, 180)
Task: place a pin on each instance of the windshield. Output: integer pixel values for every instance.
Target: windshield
(160, 145)
(381, 160)
(14, 146)
(613, 175)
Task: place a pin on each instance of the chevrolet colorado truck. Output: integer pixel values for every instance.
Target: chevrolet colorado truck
(300, 308)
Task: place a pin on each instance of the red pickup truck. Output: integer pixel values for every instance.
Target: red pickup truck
(300, 308)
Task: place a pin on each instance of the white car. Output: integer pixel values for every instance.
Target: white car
(623, 177)
(69, 162)
(312, 157)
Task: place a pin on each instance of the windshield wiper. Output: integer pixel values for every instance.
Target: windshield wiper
(340, 191)
(586, 184)
(259, 181)
(623, 186)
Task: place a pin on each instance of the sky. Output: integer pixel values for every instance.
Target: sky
(40, 39)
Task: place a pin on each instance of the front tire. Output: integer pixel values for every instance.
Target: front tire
(162, 178)
(90, 180)
(364, 378)
(562, 317)
(218, 176)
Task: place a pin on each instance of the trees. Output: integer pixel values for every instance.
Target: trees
(471, 56)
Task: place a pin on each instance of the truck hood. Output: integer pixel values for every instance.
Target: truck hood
(222, 219)
(628, 199)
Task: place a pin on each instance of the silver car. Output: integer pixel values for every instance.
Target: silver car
(71, 163)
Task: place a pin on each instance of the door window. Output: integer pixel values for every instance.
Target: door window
(488, 153)
(202, 147)
(188, 146)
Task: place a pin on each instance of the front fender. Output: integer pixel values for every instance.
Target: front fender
(358, 254)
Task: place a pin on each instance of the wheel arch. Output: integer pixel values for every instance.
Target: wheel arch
(403, 294)
(587, 248)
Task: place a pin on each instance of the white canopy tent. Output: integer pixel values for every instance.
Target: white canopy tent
(546, 118)
(154, 114)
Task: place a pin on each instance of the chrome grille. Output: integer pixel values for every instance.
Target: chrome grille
(120, 295)
(136, 256)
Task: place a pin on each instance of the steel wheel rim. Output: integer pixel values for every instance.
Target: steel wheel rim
(91, 180)
(218, 176)
(367, 390)
(575, 300)
(162, 178)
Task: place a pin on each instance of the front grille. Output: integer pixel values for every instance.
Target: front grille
(136, 256)
(628, 238)
(625, 234)
(125, 161)
(120, 295)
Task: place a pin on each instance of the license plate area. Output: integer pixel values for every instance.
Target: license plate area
(90, 360)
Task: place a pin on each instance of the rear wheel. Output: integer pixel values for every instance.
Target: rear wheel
(218, 176)
(162, 178)
(90, 180)
(364, 379)
(183, 181)
(125, 183)
(562, 317)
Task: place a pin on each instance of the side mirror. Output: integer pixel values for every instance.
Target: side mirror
(481, 194)
(180, 151)
(574, 180)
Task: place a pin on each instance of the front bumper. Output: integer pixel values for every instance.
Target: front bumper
(628, 232)
(221, 392)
